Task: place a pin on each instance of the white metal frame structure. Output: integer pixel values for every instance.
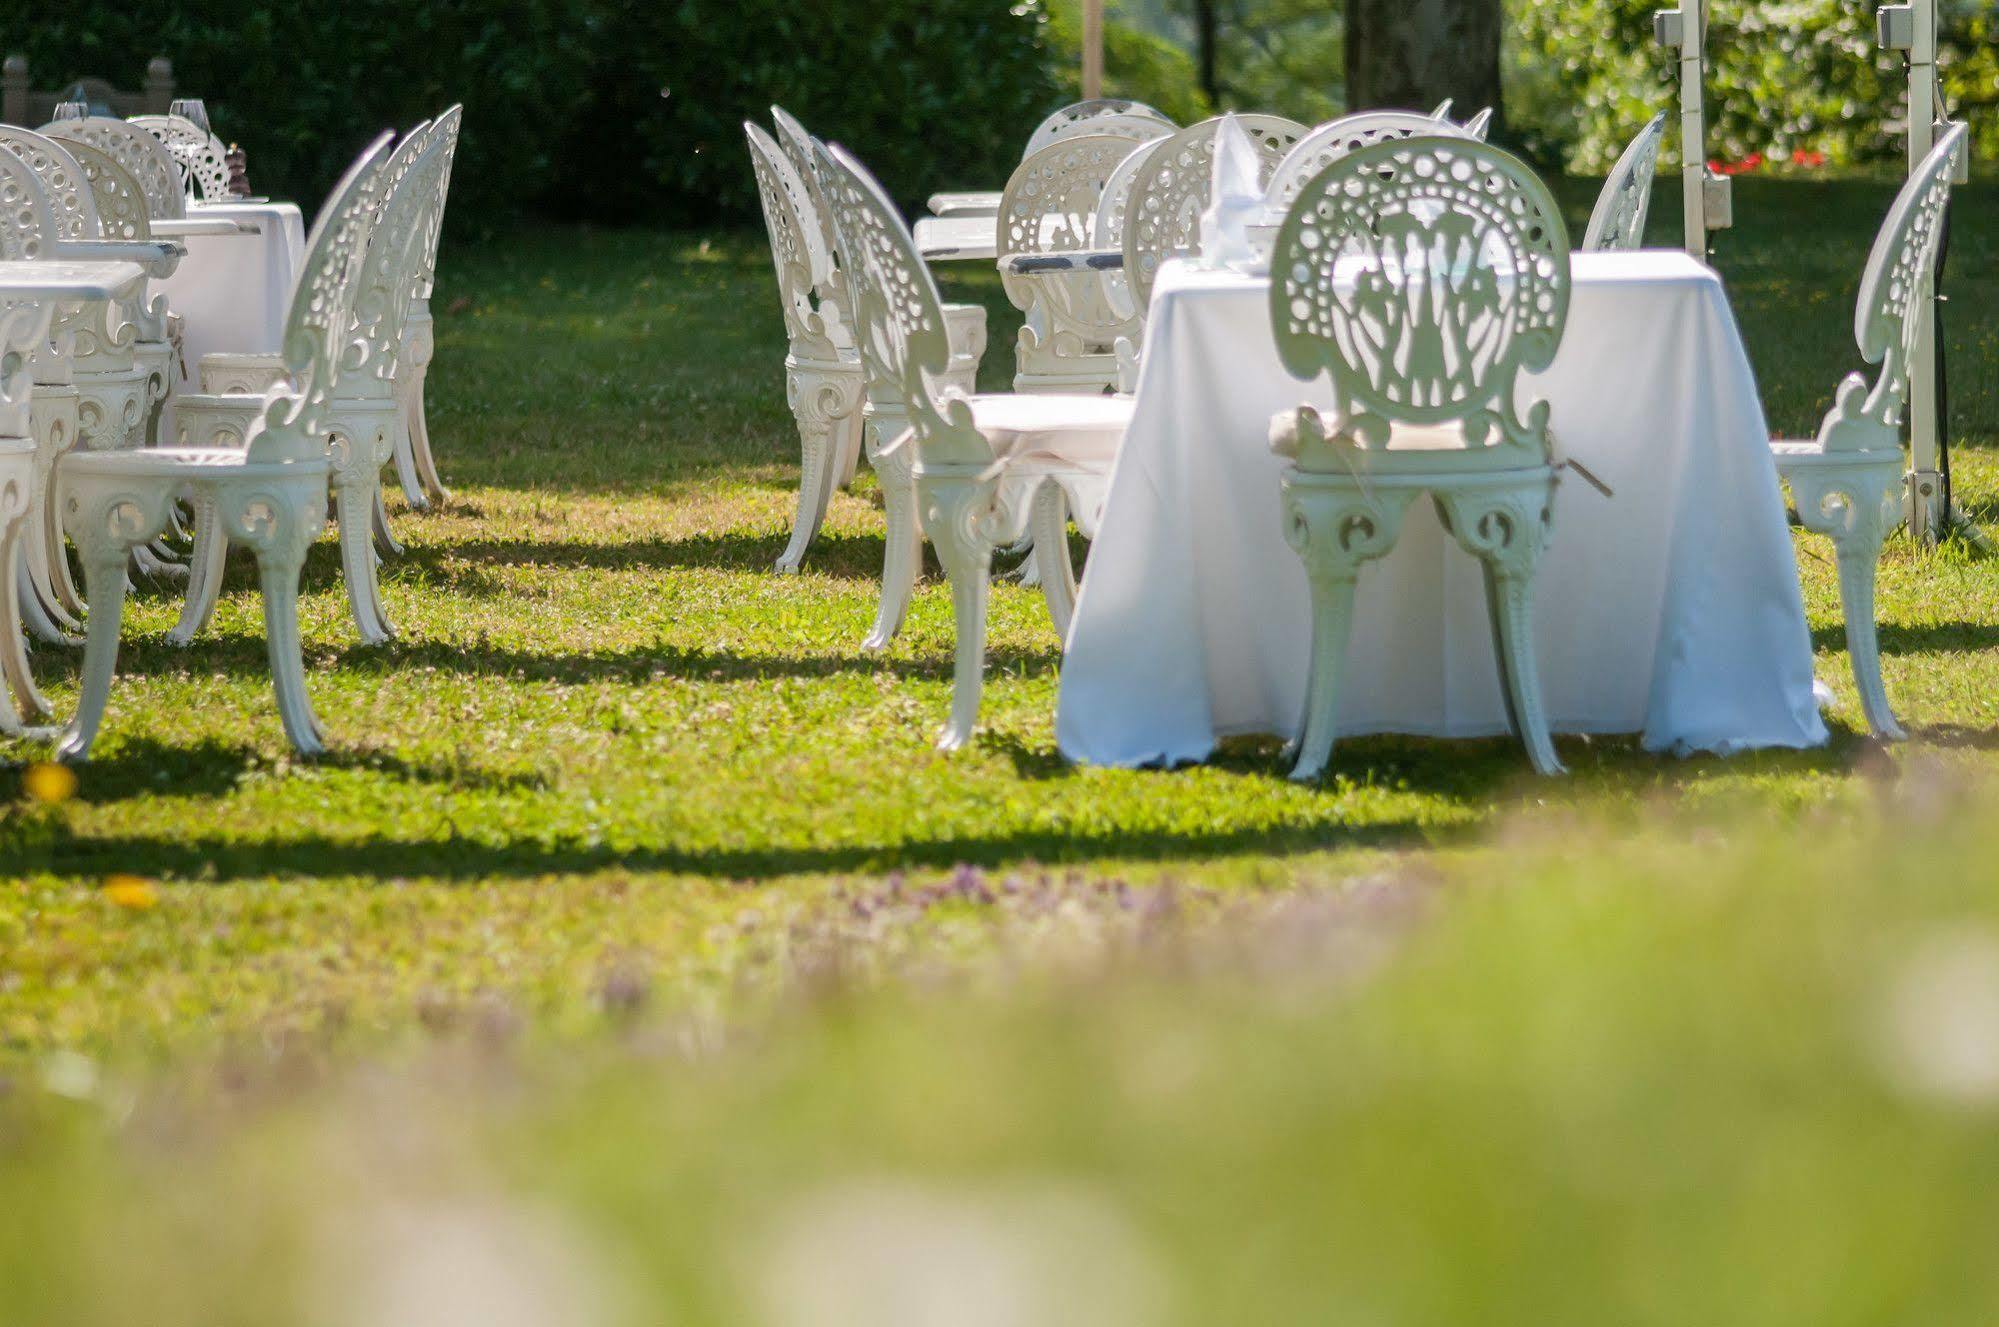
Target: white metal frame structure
(1706, 198)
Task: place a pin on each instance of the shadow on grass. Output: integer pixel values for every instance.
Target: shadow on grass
(144, 767)
(1925, 639)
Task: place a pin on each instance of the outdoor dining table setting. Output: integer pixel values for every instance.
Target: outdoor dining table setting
(184, 369)
(1362, 440)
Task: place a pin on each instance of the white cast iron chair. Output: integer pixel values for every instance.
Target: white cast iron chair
(1336, 138)
(365, 405)
(1170, 191)
(987, 468)
(200, 155)
(269, 494)
(887, 413)
(1422, 276)
(1618, 219)
(102, 374)
(824, 384)
(1068, 341)
(1847, 482)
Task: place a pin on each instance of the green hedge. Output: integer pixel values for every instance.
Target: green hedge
(613, 110)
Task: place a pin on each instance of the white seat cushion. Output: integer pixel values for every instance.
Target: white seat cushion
(1083, 431)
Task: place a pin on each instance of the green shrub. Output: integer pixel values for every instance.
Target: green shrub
(587, 108)
(1785, 76)
(1138, 64)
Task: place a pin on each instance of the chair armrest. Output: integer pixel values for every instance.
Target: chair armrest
(158, 257)
(180, 227)
(229, 374)
(206, 419)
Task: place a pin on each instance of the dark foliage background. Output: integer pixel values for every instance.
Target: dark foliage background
(591, 109)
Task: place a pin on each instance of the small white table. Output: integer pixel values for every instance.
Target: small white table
(957, 238)
(1671, 609)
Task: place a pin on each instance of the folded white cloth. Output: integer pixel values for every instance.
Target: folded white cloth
(1235, 200)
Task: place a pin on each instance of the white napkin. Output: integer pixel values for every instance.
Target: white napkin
(1235, 200)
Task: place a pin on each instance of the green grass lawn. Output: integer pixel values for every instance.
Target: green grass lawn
(635, 954)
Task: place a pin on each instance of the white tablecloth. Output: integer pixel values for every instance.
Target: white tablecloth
(1670, 610)
(233, 289)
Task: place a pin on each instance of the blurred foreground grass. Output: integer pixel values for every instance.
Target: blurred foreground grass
(633, 959)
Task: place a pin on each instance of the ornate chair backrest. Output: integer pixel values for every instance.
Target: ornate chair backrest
(1112, 211)
(121, 206)
(1163, 216)
(1479, 125)
(898, 318)
(1618, 219)
(27, 222)
(448, 125)
(800, 148)
(386, 284)
(319, 342)
(200, 155)
(1050, 206)
(1089, 117)
(1423, 275)
(1888, 318)
(138, 152)
(797, 249)
(1336, 138)
(61, 178)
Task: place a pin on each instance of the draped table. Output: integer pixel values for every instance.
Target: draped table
(233, 289)
(1670, 609)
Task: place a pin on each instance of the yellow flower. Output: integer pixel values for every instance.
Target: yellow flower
(131, 892)
(49, 783)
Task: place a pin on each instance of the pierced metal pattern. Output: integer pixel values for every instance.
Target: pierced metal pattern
(447, 129)
(1050, 206)
(898, 318)
(1888, 319)
(316, 325)
(1423, 275)
(1350, 133)
(800, 149)
(387, 283)
(1091, 117)
(199, 154)
(1618, 220)
(138, 152)
(27, 226)
(121, 207)
(61, 179)
(797, 251)
(1163, 218)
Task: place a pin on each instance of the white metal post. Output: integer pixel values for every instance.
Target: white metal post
(1704, 198)
(1912, 29)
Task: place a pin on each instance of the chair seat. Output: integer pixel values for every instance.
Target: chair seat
(179, 462)
(1798, 453)
(1082, 431)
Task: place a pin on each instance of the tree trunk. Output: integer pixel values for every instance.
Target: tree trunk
(1411, 54)
(1207, 24)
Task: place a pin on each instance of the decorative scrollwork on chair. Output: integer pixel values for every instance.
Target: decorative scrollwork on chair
(1350, 133)
(1618, 220)
(203, 160)
(1102, 115)
(1422, 276)
(138, 152)
(1163, 218)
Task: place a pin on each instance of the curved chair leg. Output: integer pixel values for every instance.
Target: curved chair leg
(406, 473)
(204, 579)
(147, 560)
(847, 436)
(34, 613)
(815, 485)
(1858, 552)
(386, 542)
(1509, 597)
(957, 513)
(426, 463)
(902, 548)
(356, 494)
(104, 581)
(278, 568)
(42, 599)
(1332, 627)
(1049, 525)
(19, 700)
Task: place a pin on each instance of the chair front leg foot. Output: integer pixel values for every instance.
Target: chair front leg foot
(960, 518)
(1859, 556)
(1054, 568)
(902, 544)
(821, 402)
(104, 581)
(356, 495)
(204, 579)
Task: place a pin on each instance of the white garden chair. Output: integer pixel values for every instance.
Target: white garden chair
(1336, 138)
(1618, 219)
(824, 383)
(987, 468)
(367, 404)
(1171, 188)
(1847, 482)
(1068, 341)
(1423, 276)
(886, 412)
(33, 284)
(416, 464)
(269, 493)
(200, 155)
